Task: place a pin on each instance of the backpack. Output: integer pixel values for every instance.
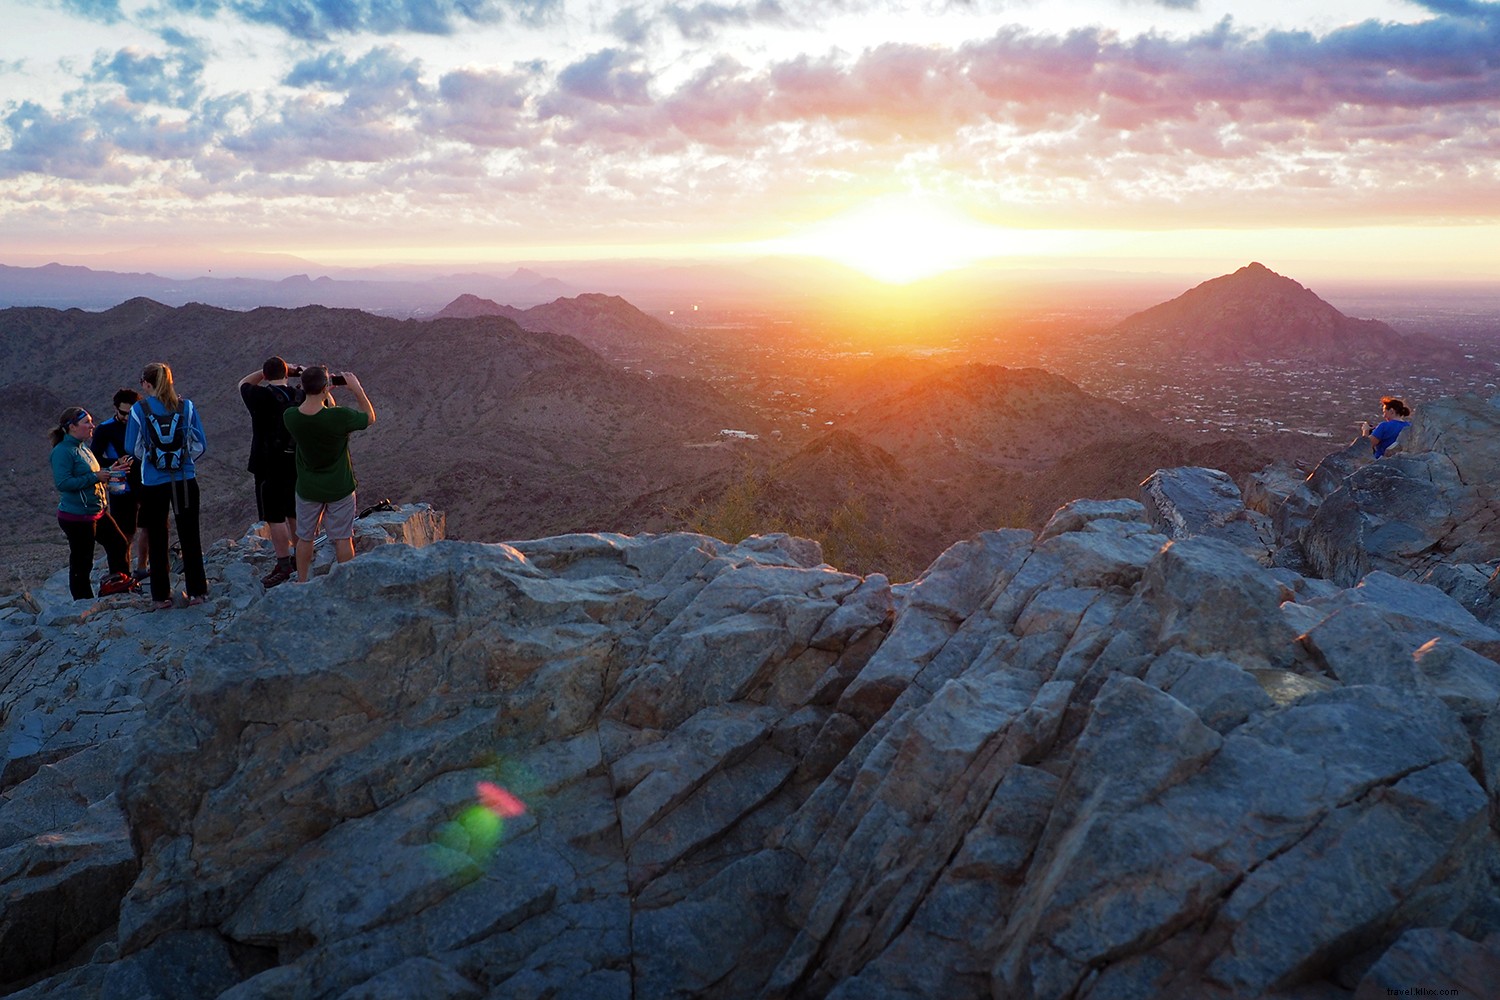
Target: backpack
(165, 435)
(281, 442)
(118, 583)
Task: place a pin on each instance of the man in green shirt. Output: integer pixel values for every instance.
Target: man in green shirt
(325, 472)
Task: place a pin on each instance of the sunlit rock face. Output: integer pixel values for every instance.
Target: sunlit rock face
(1097, 761)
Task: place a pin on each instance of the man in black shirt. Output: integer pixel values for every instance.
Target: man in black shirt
(108, 447)
(273, 460)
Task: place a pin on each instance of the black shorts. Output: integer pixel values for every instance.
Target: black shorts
(276, 497)
(123, 508)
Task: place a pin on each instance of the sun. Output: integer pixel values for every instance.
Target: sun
(902, 238)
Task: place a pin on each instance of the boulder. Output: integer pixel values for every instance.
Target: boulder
(1429, 508)
(1213, 598)
(1193, 502)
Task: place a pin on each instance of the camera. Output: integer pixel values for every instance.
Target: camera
(293, 371)
(338, 380)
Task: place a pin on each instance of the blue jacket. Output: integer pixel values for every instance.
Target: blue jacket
(135, 441)
(74, 473)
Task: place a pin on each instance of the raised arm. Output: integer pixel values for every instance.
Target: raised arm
(362, 400)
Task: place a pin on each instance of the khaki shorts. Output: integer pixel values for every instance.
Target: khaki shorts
(336, 518)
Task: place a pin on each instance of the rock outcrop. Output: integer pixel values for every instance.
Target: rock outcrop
(1427, 511)
(1091, 762)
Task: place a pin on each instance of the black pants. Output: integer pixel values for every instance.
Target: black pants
(81, 538)
(180, 498)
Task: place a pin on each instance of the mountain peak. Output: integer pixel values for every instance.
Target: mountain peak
(1254, 313)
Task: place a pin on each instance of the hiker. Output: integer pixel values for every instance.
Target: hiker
(1392, 422)
(166, 436)
(325, 472)
(82, 506)
(124, 494)
(273, 459)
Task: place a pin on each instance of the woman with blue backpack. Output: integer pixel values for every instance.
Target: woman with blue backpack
(166, 436)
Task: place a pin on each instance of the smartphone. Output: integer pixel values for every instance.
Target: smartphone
(338, 380)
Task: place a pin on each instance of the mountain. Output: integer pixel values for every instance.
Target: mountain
(468, 306)
(939, 452)
(1257, 314)
(509, 431)
(1001, 418)
(606, 323)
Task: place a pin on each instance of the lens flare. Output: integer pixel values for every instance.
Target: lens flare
(499, 801)
(478, 830)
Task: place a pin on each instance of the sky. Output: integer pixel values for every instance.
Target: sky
(1360, 138)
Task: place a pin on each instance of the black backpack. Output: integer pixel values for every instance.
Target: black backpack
(166, 437)
(281, 442)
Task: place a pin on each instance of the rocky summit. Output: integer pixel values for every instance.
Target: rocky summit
(1180, 746)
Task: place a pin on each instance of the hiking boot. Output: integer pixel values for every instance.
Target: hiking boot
(277, 576)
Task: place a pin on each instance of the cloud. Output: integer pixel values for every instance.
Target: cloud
(1371, 119)
(702, 20)
(173, 79)
(609, 76)
(107, 11)
(382, 78)
(699, 22)
(349, 111)
(319, 20)
(305, 133)
(485, 108)
(57, 146)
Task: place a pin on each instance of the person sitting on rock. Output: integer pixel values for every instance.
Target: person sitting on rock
(1392, 423)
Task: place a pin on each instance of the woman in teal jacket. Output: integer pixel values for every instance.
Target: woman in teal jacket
(83, 502)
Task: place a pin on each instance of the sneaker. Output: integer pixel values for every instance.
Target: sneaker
(277, 576)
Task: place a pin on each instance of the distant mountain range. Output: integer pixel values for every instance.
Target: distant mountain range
(63, 286)
(606, 323)
(1256, 314)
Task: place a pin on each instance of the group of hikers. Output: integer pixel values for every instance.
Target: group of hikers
(299, 455)
(119, 481)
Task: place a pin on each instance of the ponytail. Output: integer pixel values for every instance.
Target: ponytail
(158, 375)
